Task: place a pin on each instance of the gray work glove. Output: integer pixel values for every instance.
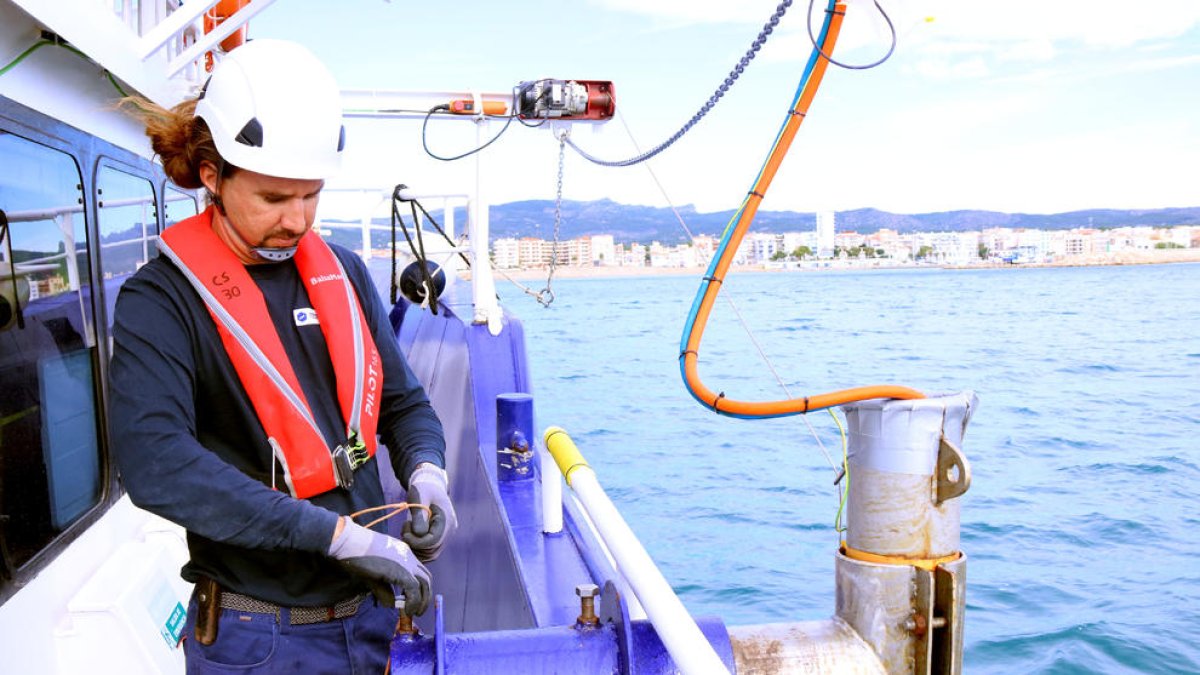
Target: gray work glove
(386, 563)
(427, 535)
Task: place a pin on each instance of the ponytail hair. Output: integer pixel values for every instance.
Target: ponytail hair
(180, 139)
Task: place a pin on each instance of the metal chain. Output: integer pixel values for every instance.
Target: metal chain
(546, 295)
(734, 74)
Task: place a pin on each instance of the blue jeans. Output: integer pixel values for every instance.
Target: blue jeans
(260, 644)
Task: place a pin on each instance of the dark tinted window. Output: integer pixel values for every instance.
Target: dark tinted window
(50, 469)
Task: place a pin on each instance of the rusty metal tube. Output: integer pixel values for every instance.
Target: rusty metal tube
(901, 577)
(809, 647)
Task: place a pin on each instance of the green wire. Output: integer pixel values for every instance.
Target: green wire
(42, 43)
(27, 52)
(837, 521)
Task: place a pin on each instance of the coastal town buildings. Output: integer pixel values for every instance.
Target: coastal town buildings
(825, 247)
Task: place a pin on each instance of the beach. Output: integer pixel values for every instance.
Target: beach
(1131, 257)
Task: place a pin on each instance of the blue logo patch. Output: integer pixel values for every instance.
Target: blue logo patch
(305, 316)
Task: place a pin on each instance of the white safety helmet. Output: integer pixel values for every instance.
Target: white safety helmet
(274, 109)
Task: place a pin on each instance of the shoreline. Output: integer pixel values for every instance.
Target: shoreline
(1168, 256)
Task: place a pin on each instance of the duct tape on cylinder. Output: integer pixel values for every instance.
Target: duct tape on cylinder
(906, 470)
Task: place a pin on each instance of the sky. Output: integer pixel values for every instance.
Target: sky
(1019, 106)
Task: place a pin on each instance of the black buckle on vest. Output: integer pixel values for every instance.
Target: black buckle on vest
(343, 468)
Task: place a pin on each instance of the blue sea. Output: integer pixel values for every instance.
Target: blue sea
(1081, 525)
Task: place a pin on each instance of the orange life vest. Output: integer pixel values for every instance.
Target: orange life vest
(236, 304)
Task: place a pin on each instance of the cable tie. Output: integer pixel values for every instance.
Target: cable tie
(798, 113)
(689, 351)
(719, 281)
(756, 194)
(716, 401)
(805, 404)
(835, 11)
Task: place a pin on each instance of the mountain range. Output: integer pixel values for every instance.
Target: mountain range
(628, 223)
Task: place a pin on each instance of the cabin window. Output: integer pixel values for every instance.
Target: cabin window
(180, 205)
(128, 221)
(50, 468)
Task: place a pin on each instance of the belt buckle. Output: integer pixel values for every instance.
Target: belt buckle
(343, 467)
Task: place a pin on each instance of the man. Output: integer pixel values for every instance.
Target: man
(253, 368)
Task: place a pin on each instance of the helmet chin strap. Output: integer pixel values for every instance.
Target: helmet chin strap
(278, 254)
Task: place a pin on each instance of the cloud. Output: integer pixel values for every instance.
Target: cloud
(1074, 75)
(1010, 31)
(696, 11)
(1164, 63)
(1099, 23)
(946, 69)
(1029, 50)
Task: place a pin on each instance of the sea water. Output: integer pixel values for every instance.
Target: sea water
(1081, 524)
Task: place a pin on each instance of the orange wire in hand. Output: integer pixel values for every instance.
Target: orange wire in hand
(396, 509)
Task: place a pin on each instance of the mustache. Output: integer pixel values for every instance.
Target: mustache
(292, 239)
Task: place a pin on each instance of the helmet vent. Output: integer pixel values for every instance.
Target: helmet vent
(341, 138)
(251, 134)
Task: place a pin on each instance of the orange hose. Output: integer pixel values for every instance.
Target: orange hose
(718, 401)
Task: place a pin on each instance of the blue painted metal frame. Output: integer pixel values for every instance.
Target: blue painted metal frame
(509, 600)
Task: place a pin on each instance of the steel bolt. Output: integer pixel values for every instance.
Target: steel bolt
(404, 626)
(587, 605)
(916, 625)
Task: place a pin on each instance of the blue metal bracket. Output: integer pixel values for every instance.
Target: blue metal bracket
(614, 610)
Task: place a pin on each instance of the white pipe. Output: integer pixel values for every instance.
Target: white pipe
(552, 501)
(676, 628)
(600, 561)
(483, 286)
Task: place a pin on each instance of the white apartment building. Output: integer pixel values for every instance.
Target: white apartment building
(673, 256)
(794, 240)
(950, 248)
(635, 256)
(604, 250)
(761, 247)
(533, 252)
(892, 244)
(706, 248)
(506, 253)
(826, 227)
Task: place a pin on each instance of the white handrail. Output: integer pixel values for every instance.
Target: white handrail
(679, 633)
(170, 28)
(552, 497)
(210, 40)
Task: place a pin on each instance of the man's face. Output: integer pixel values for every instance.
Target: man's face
(262, 211)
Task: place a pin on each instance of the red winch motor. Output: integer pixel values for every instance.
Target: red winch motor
(566, 100)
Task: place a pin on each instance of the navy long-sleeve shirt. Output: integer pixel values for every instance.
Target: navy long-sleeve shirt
(191, 449)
